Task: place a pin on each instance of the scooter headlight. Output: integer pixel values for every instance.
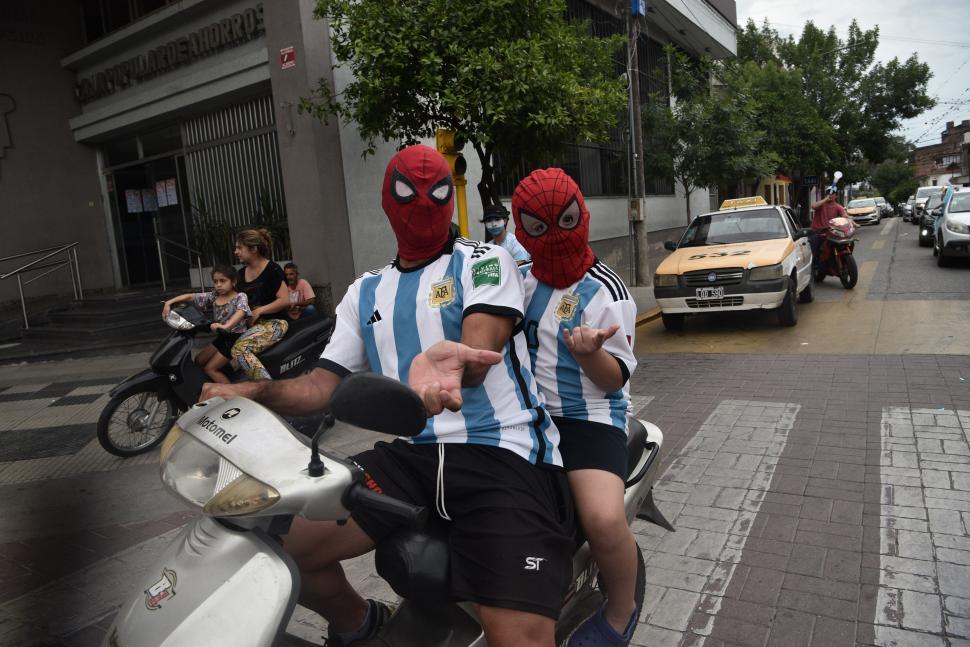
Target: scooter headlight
(177, 321)
(203, 478)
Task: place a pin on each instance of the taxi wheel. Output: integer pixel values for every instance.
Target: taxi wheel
(672, 321)
(788, 312)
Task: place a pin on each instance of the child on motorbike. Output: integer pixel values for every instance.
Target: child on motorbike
(228, 310)
(579, 324)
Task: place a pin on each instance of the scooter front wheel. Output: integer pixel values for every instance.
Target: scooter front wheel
(134, 421)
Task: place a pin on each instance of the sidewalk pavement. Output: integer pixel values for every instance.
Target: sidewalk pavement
(647, 309)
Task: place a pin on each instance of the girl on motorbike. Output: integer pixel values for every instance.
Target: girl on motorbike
(228, 310)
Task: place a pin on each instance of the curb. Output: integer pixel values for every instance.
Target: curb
(647, 317)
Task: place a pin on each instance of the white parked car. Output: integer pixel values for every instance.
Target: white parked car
(953, 229)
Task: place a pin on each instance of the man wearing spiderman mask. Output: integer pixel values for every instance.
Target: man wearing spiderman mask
(579, 323)
(442, 317)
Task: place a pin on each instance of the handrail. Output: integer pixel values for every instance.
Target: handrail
(70, 249)
(43, 258)
(36, 251)
(188, 261)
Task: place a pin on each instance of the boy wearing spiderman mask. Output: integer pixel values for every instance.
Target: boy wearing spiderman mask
(579, 326)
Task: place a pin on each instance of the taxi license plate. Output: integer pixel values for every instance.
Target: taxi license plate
(710, 293)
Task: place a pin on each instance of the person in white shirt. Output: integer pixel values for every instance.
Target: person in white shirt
(443, 317)
(496, 220)
(579, 324)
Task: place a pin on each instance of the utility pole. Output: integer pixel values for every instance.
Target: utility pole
(638, 217)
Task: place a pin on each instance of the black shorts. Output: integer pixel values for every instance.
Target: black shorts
(512, 522)
(224, 341)
(589, 445)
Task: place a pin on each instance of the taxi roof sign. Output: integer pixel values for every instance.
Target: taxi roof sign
(734, 203)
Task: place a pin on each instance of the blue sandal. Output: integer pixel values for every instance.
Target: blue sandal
(595, 631)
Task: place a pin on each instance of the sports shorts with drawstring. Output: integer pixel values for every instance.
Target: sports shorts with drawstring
(511, 523)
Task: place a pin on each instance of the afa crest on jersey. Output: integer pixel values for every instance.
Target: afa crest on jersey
(567, 308)
(442, 292)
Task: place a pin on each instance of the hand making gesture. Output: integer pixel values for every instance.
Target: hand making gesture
(584, 340)
(436, 374)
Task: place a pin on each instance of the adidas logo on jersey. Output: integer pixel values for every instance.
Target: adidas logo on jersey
(374, 318)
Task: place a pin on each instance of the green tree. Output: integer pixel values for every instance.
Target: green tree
(894, 180)
(514, 78)
(708, 136)
(844, 105)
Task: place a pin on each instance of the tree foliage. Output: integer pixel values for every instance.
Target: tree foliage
(707, 135)
(842, 106)
(512, 77)
(894, 180)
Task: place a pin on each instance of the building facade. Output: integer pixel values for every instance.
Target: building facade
(143, 129)
(946, 162)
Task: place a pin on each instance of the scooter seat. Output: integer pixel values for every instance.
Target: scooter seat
(636, 442)
(416, 564)
(301, 333)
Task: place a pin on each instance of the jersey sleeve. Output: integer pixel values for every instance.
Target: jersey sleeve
(345, 352)
(492, 283)
(605, 312)
(518, 252)
(242, 303)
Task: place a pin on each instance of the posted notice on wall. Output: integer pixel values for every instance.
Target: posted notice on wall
(171, 192)
(148, 201)
(287, 57)
(133, 200)
(160, 196)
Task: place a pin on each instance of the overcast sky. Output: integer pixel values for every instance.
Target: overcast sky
(936, 30)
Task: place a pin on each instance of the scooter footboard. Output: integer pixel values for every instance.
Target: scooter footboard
(212, 586)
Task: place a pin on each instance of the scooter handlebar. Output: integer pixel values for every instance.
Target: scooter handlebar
(360, 496)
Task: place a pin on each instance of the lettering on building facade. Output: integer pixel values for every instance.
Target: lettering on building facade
(228, 32)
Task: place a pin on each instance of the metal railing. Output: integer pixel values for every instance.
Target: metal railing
(187, 259)
(70, 250)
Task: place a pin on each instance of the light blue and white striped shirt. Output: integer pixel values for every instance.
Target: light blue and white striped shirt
(390, 315)
(599, 299)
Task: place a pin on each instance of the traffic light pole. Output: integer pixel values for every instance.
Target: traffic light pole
(450, 148)
(460, 183)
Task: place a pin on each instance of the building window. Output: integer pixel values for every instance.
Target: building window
(101, 17)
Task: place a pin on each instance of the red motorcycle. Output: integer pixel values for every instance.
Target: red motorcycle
(835, 253)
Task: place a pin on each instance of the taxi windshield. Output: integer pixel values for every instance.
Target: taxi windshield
(734, 227)
(859, 204)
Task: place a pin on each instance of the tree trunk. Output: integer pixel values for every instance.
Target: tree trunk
(487, 186)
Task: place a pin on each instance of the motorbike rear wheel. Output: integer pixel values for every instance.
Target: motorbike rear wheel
(850, 272)
(134, 421)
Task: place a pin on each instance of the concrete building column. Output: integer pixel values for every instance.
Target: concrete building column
(310, 152)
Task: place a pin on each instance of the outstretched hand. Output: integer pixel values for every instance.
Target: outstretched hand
(436, 374)
(584, 340)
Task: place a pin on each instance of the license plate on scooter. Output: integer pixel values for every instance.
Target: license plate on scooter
(710, 293)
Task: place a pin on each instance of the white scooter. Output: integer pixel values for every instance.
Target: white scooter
(225, 580)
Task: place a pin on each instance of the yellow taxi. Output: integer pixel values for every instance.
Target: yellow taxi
(748, 255)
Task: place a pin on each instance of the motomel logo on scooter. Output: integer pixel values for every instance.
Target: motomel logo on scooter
(210, 425)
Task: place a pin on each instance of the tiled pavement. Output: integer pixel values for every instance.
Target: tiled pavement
(818, 500)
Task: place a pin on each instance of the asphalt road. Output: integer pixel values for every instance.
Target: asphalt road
(903, 303)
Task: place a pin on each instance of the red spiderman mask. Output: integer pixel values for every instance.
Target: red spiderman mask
(549, 210)
(418, 198)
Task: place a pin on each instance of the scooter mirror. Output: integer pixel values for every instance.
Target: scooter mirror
(378, 403)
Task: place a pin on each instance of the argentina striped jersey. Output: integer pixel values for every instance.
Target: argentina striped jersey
(599, 299)
(390, 315)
